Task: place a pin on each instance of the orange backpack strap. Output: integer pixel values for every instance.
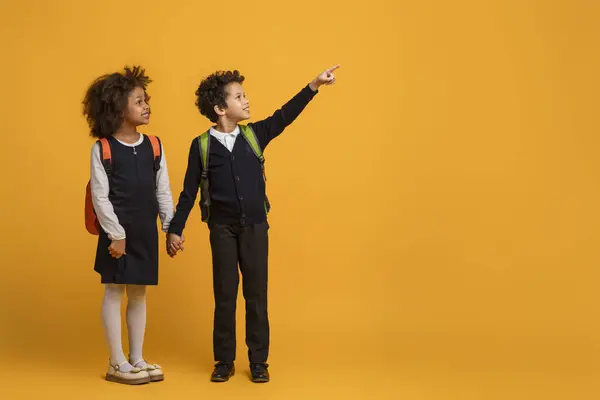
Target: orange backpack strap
(106, 154)
(156, 148)
(91, 220)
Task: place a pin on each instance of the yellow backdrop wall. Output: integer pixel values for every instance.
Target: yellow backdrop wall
(436, 207)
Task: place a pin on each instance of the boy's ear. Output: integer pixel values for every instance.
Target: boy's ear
(219, 110)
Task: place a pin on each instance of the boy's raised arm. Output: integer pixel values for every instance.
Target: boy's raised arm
(271, 127)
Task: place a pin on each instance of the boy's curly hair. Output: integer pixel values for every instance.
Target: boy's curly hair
(211, 92)
(106, 99)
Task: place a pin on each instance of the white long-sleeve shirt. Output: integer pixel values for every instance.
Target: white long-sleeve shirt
(105, 212)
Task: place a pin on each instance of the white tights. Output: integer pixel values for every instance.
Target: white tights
(136, 321)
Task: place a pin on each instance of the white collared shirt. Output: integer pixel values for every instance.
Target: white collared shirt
(226, 139)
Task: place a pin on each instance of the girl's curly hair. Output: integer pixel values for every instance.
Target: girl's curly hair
(106, 99)
(211, 92)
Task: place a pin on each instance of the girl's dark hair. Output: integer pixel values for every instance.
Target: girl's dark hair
(106, 99)
(211, 92)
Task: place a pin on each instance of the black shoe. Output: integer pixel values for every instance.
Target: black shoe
(259, 372)
(222, 372)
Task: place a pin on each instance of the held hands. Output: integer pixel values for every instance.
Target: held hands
(174, 244)
(325, 78)
(117, 248)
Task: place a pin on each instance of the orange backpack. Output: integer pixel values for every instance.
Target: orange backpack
(91, 220)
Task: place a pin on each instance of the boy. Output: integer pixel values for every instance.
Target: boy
(226, 163)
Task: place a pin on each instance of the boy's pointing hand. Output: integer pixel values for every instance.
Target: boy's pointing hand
(324, 78)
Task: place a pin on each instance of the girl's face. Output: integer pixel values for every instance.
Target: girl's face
(138, 110)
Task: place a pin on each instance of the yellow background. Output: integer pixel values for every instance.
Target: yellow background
(435, 213)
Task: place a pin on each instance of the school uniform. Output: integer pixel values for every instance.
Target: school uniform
(127, 202)
(238, 226)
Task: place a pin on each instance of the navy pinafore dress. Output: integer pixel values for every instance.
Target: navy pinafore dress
(133, 196)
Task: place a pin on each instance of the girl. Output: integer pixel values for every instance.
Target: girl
(128, 192)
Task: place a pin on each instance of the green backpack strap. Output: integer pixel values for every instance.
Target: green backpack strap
(250, 137)
(204, 148)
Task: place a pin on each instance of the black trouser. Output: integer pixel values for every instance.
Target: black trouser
(249, 246)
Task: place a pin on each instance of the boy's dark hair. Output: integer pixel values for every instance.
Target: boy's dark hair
(106, 99)
(211, 92)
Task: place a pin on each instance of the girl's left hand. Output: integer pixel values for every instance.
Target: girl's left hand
(117, 248)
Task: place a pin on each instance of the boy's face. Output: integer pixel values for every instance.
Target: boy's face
(238, 105)
(138, 110)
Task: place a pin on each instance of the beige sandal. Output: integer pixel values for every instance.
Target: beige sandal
(136, 376)
(154, 370)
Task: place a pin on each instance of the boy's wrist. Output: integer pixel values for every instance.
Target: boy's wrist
(314, 86)
(174, 232)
